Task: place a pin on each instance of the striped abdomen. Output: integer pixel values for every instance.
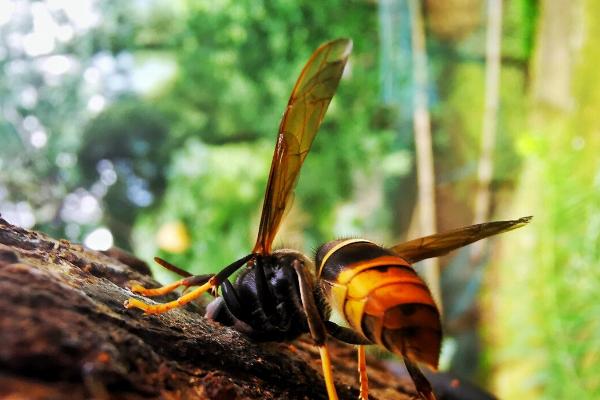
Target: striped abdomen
(381, 296)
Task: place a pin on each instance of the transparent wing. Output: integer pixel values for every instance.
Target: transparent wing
(442, 243)
(306, 108)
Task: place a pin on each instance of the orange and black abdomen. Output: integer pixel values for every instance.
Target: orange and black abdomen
(381, 296)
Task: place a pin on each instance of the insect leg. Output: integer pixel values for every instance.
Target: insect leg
(345, 335)
(315, 325)
(421, 383)
(231, 299)
(212, 282)
(362, 374)
(327, 374)
(195, 280)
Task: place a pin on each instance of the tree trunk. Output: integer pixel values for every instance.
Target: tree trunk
(66, 335)
(485, 167)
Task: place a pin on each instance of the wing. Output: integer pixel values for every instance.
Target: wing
(442, 243)
(306, 108)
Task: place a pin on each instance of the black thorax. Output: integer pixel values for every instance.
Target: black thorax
(265, 301)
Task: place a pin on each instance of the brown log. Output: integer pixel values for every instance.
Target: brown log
(64, 334)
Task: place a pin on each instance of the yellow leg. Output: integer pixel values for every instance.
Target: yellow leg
(327, 374)
(139, 289)
(161, 308)
(362, 374)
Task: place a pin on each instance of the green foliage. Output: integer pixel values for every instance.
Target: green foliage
(46, 90)
(238, 62)
(128, 131)
(549, 297)
(124, 153)
(214, 191)
(519, 30)
(548, 294)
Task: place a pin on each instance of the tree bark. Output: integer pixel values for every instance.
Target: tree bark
(65, 334)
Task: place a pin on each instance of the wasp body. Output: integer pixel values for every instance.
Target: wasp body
(281, 294)
(381, 297)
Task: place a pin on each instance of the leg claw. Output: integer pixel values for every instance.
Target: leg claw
(135, 303)
(137, 288)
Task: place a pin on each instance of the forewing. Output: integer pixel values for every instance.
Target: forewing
(306, 108)
(442, 243)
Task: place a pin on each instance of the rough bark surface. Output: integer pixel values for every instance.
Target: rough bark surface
(65, 334)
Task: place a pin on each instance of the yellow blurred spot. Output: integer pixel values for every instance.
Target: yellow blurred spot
(173, 237)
